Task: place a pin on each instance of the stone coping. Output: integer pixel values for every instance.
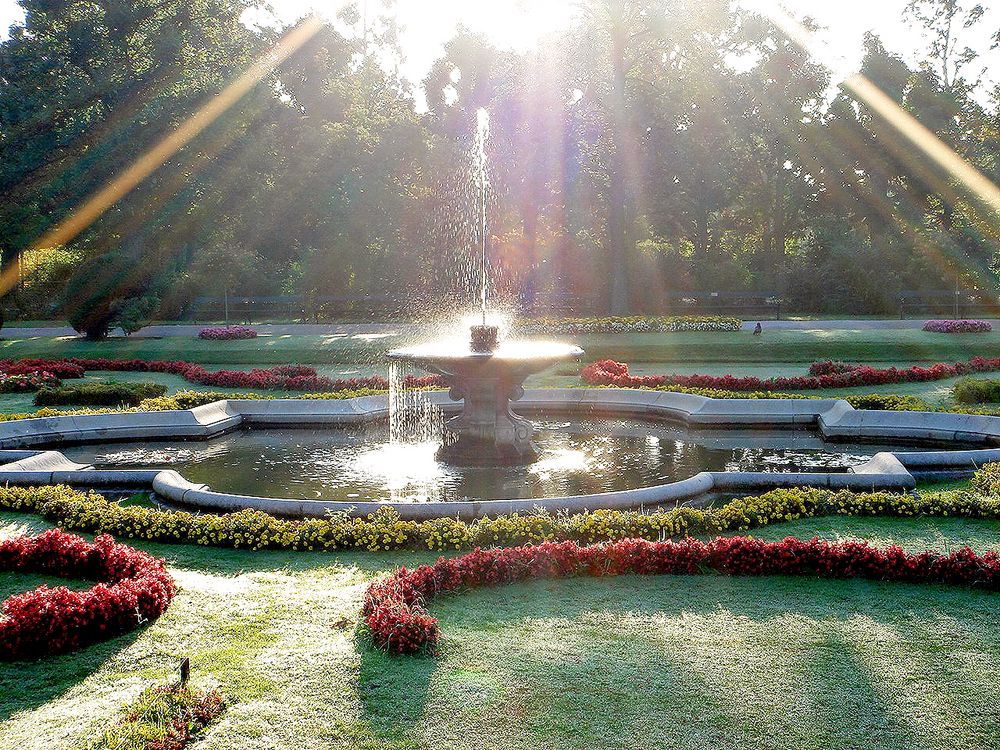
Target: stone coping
(834, 419)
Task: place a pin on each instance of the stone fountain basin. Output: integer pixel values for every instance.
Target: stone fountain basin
(834, 420)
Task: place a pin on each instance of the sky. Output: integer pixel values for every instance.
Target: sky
(520, 24)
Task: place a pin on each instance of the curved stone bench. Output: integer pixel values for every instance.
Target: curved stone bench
(833, 419)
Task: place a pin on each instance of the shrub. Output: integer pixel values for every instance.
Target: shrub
(972, 391)
(132, 588)
(833, 375)
(888, 402)
(162, 718)
(987, 480)
(99, 394)
(227, 333)
(957, 326)
(396, 618)
(634, 324)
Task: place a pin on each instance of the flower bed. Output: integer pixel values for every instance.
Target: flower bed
(133, 588)
(227, 333)
(395, 612)
(59, 368)
(958, 326)
(822, 375)
(385, 530)
(279, 378)
(633, 324)
(26, 383)
(168, 717)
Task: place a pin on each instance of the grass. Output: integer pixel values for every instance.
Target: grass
(775, 346)
(341, 356)
(659, 662)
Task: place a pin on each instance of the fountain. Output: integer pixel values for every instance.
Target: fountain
(486, 374)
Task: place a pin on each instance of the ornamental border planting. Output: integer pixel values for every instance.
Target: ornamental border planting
(957, 326)
(278, 378)
(132, 588)
(630, 324)
(822, 375)
(395, 608)
(385, 530)
(227, 333)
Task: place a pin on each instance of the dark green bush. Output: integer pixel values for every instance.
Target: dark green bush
(888, 402)
(99, 394)
(973, 391)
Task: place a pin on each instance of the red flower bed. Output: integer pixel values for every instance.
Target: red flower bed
(279, 378)
(58, 368)
(227, 333)
(957, 326)
(26, 383)
(394, 607)
(133, 588)
(822, 375)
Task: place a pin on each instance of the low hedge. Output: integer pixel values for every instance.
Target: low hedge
(99, 394)
(973, 391)
(385, 530)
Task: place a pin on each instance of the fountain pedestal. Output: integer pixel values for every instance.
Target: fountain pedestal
(487, 432)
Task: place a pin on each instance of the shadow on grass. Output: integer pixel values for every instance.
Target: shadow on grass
(393, 691)
(693, 661)
(26, 685)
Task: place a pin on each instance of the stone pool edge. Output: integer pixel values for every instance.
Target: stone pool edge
(835, 420)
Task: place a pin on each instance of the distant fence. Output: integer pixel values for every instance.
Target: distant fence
(954, 303)
(739, 304)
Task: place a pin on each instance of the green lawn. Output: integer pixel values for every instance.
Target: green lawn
(775, 346)
(777, 353)
(658, 662)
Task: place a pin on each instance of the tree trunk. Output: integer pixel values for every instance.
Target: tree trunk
(617, 210)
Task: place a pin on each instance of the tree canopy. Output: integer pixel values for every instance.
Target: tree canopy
(657, 147)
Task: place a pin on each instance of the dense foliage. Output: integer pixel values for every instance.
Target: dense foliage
(385, 530)
(653, 149)
(167, 717)
(133, 588)
(975, 391)
(397, 620)
(822, 375)
(99, 394)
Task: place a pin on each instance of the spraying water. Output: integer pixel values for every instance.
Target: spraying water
(482, 182)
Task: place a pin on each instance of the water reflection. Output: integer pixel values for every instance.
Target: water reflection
(577, 457)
